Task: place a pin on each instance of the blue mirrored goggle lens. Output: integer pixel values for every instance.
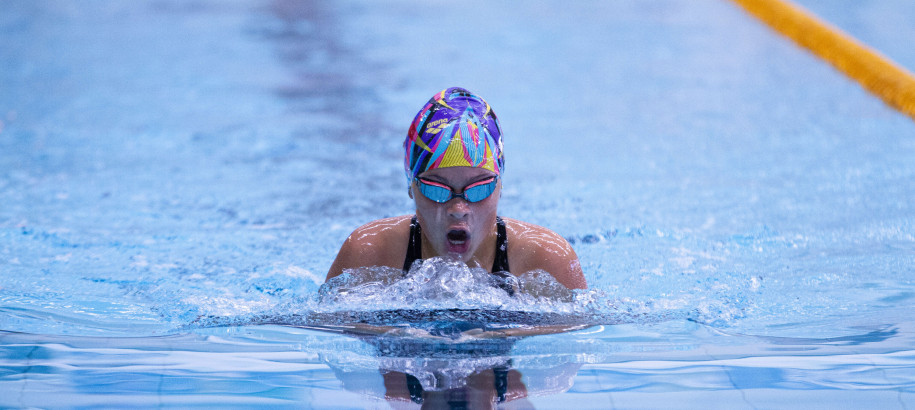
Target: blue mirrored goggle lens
(480, 192)
(435, 193)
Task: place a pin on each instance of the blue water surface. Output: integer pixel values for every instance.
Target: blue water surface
(177, 176)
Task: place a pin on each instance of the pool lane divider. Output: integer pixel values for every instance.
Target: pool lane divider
(876, 73)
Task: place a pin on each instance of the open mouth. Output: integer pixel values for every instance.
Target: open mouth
(457, 236)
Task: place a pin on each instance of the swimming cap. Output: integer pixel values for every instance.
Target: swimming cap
(454, 129)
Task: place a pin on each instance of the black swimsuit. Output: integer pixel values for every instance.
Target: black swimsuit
(499, 264)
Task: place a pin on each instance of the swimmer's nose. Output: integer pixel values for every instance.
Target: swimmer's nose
(458, 208)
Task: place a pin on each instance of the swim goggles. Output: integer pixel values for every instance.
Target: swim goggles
(441, 193)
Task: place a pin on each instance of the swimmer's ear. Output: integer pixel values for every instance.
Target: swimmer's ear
(410, 191)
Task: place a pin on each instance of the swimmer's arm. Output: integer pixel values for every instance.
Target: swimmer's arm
(522, 331)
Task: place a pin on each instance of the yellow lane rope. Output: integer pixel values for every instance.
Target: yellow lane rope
(876, 73)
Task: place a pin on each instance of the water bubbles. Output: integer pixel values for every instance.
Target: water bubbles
(436, 283)
(445, 297)
(440, 284)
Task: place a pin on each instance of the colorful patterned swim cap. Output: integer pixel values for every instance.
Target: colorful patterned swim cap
(454, 129)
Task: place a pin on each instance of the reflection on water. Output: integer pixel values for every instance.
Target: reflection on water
(438, 374)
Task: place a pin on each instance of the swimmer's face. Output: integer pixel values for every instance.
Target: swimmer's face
(457, 228)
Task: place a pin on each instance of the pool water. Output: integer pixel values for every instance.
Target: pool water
(177, 176)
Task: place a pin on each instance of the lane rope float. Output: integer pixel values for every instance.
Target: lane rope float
(875, 72)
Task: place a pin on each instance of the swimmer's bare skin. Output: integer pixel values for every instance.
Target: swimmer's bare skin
(531, 247)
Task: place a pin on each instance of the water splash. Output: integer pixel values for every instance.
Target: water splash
(455, 297)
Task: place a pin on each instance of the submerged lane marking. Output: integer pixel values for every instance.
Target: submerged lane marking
(876, 73)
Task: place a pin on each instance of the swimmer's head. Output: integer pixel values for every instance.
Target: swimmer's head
(454, 129)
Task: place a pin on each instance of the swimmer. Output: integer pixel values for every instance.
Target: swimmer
(454, 166)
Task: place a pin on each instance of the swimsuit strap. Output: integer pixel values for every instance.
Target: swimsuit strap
(414, 246)
(500, 262)
(415, 388)
(501, 380)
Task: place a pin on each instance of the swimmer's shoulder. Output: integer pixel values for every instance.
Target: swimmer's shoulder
(382, 242)
(381, 231)
(532, 247)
